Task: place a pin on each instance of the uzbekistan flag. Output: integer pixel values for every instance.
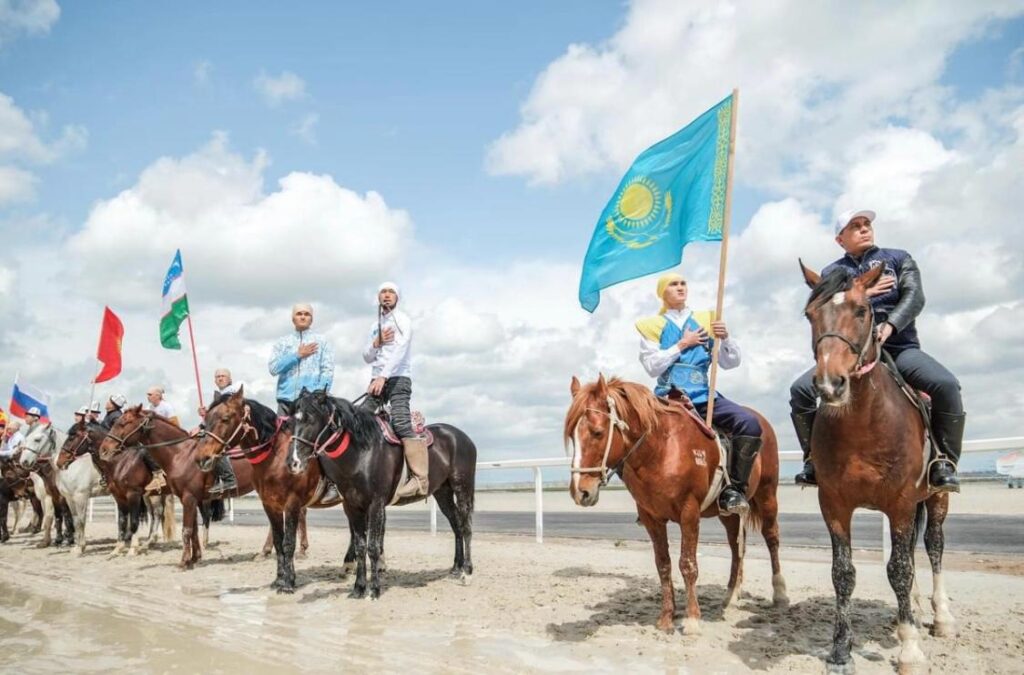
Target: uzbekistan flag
(25, 396)
(175, 304)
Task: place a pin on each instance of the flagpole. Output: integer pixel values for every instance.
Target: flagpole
(727, 217)
(92, 391)
(195, 361)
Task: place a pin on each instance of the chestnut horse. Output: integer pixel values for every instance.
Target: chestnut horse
(668, 466)
(174, 451)
(869, 451)
(127, 477)
(234, 421)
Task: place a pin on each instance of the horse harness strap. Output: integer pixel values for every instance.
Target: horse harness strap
(861, 368)
(614, 423)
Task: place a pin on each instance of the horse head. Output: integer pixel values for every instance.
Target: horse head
(226, 425)
(599, 434)
(77, 443)
(131, 427)
(39, 444)
(314, 411)
(842, 330)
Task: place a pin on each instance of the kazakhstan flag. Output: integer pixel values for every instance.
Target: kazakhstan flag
(673, 194)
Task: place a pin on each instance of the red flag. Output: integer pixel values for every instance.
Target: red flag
(109, 350)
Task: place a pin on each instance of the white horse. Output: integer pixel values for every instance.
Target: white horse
(78, 483)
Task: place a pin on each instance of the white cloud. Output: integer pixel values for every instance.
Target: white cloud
(280, 88)
(811, 78)
(306, 128)
(28, 16)
(311, 238)
(16, 185)
(201, 72)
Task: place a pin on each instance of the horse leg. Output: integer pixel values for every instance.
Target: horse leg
(47, 508)
(901, 578)
(934, 543)
(358, 519)
(156, 516)
(268, 545)
(134, 514)
(189, 511)
(445, 499)
(290, 530)
(689, 525)
(303, 535)
(658, 532)
(79, 506)
(769, 508)
(375, 545)
(69, 523)
(844, 579)
(464, 504)
(4, 508)
(205, 511)
(350, 554)
(122, 528)
(734, 533)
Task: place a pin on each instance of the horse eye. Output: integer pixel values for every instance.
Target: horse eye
(298, 417)
(862, 312)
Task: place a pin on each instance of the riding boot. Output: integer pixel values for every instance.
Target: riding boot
(158, 481)
(225, 477)
(733, 498)
(948, 431)
(803, 423)
(331, 493)
(417, 457)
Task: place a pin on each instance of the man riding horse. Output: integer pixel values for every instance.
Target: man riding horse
(388, 353)
(896, 300)
(675, 347)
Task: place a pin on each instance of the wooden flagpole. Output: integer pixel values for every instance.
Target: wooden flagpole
(727, 216)
(92, 391)
(195, 361)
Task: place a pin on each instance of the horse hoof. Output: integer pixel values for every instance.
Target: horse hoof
(357, 593)
(286, 590)
(374, 594)
(301, 555)
(840, 668)
(466, 579)
(691, 626)
(913, 668)
(77, 552)
(666, 626)
(944, 630)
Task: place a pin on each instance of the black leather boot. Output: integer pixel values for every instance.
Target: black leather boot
(803, 423)
(744, 451)
(948, 430)
(225, 477)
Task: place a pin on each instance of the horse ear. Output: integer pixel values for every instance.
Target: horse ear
(810, 276)
(869, 278)
(574, 386)
(240, 394)
(602, 386)
(137, 409)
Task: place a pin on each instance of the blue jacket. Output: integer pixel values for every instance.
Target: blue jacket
(901, 305)
(689, 373)
(312, 372)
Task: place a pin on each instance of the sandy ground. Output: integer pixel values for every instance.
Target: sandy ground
(564, 606)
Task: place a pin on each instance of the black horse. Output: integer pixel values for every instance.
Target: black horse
(352, 452)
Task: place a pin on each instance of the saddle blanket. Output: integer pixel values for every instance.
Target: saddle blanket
(419, 425)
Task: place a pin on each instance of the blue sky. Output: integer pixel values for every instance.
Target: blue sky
(494, 133)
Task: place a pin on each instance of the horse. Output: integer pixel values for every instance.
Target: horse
(234, 421)
(869, 449)
(77, 484)
(15, 486)
(127, 477)
(668, 465)
(174, 450)
(350, 447)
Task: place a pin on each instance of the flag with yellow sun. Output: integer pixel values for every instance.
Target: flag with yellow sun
(674, 193)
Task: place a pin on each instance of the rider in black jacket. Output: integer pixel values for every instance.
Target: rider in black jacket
(896, 299)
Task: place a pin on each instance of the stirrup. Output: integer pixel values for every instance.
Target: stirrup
(220, 487)
(952, 483)
(738, 504)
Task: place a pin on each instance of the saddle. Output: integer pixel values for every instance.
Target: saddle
(682, 399)
(419, 425)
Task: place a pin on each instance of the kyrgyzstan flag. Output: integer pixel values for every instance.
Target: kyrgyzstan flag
(109, 350)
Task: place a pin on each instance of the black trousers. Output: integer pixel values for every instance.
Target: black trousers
(919, 369)
(398, 392)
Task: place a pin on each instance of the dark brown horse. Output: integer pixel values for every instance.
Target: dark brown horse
(127, 477)
(869, 450)
(174, 451)
(63, 523)
(235, 421)
(16, 485)
(668, 466)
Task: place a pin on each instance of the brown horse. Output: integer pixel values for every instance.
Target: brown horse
(174, 451)
(127, 477)
(869, 450)
(668, 465)
(235, 421)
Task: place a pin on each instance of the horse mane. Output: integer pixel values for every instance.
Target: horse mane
(263, 419)
(629, 397)
(837, 281)
(358, 422)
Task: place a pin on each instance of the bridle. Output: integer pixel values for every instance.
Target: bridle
(145, 425)
(615, 423)
(861, 352)
(41, 455)
(76, 450)
(318, 446)
(243, 428)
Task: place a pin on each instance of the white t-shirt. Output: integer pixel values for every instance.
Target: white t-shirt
(163, 408)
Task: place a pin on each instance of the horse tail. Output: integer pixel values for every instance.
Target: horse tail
(755, 518)
(217, 510)
(919, 523)
(168, 517)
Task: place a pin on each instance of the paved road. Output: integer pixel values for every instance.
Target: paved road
(964, 533)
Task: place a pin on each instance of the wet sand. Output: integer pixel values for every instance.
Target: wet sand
(564, 606)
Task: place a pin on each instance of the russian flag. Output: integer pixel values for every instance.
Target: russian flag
(25, 396)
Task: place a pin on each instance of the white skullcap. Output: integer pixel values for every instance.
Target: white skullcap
(844, 218)
(389, 286)
(302, 305)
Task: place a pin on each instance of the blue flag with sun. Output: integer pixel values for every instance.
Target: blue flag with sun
(674, 193)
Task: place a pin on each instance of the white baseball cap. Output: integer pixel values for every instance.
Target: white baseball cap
(846, 216)
(83, 411)
(34, 411)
